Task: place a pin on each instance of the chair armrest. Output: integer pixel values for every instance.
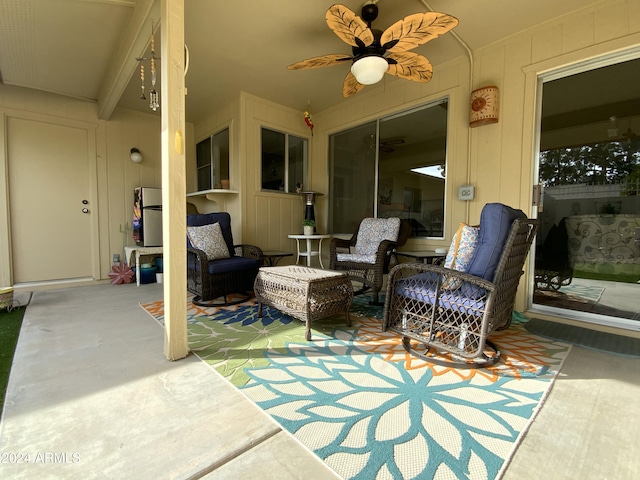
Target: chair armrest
(249, 251)
(337, 244)
(341, 243)
(197, 269)
(386, 246)
(386, 250)
(196, 256)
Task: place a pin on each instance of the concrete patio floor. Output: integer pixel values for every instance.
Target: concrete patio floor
(91, 395)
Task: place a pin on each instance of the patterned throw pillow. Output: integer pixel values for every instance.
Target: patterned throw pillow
(209, 239)
(373, 231)
(460, 252)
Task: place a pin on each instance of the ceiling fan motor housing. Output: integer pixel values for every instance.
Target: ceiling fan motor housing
(369, 12)
(374, 49)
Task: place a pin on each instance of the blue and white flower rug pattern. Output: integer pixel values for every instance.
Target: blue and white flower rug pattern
(366, 407)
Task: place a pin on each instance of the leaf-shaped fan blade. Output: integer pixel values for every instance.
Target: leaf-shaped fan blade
(351, 85)
(416, 29)
(321, 61)
(411, 66)
(348, 26)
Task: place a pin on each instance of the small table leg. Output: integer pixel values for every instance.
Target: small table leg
(308, 253)
(138, 268)
(320, 253)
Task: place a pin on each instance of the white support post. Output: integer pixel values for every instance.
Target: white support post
(174, 213)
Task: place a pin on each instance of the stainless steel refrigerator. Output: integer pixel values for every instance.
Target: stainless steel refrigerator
(147, 217)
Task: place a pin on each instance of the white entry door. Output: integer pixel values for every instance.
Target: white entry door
(51, 201)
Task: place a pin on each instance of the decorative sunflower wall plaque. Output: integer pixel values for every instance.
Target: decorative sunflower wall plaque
(484, 106)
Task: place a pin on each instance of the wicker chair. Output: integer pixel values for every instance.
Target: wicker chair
(374, 244)
(212, 280)
(453, 312)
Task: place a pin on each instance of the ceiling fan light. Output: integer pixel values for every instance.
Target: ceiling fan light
(369, 70)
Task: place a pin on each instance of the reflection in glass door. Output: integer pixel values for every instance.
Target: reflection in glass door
(587, 263)
(392, 167)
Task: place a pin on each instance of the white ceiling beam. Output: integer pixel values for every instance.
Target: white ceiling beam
(123, 63)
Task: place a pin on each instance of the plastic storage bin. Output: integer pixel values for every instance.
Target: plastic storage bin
(159, 264)
(147, 273)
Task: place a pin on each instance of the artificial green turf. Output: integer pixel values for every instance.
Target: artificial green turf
(608, 277)
(10, 323)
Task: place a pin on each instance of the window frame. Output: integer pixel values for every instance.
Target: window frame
(213, 175)
(287, 188)
(377, 122)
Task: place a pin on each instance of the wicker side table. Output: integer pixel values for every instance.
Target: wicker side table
(305, 293)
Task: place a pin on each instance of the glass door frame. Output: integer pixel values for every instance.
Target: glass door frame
(541, 78)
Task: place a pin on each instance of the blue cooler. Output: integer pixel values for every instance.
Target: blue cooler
(159, 264)
(147, 273)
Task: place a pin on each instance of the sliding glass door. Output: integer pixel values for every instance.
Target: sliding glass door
(587, 263)
(353, 177)
(392, 167)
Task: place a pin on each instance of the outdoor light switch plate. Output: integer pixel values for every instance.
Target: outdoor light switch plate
(465, 192)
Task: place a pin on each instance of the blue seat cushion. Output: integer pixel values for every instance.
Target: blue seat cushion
(495, 223)
(468, 298)
(233, 264)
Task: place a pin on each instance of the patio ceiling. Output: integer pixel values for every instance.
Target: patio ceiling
(76, 47)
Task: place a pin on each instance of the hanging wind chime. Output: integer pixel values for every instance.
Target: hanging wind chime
(153, 94)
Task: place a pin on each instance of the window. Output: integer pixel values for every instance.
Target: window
(284, 161)
(392, 167)
(212, 159)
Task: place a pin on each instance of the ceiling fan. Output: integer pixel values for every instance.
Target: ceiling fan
(369, 46)
(386, 144)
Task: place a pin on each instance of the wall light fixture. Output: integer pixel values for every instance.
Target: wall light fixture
(136, 156)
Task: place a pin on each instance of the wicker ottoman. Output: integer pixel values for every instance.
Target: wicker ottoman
(305, 293)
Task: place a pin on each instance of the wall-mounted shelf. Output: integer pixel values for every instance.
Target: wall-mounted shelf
(212, 194)
(214, 200)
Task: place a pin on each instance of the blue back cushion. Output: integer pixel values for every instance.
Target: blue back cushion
(495, 223)
(223, 218)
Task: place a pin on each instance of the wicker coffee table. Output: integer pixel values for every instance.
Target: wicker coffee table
(305, 293)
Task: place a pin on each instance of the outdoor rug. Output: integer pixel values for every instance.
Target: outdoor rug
(363, 405)
(588, 292)
(585, 337)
